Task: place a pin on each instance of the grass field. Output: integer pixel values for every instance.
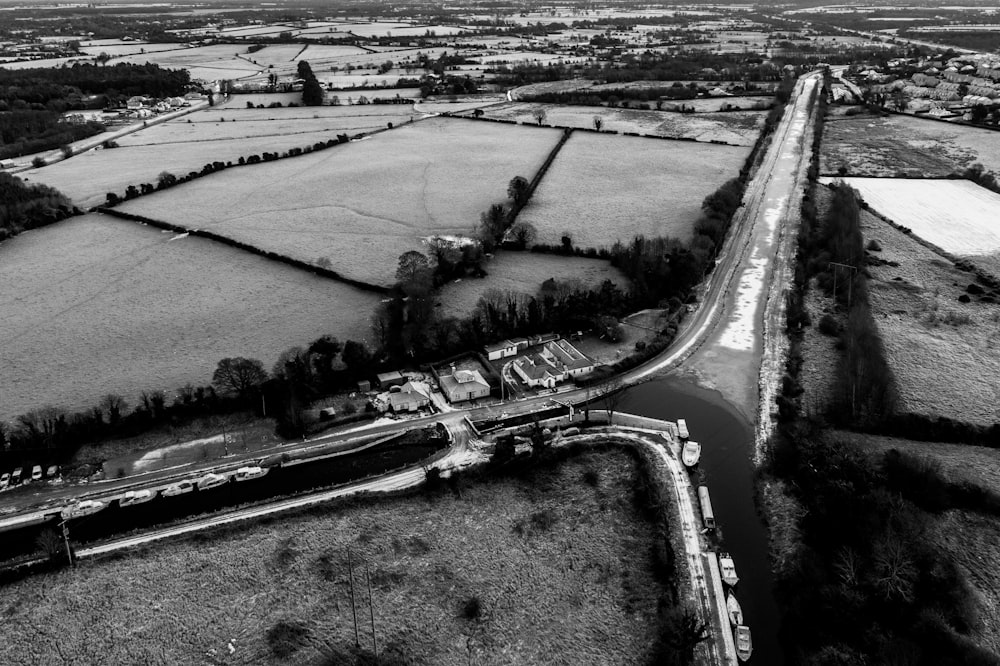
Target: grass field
(95, 305)
(958, 216)
(363, 204)
(524, 272)
(874, 146)
(217, 61)
(945, 354)
(583, 195)
(736, 127)
(561, 570)
(179, 146)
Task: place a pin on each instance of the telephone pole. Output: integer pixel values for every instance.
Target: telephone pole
(69, 551)
(354, 608)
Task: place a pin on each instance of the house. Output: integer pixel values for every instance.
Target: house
(556, 361)
(536, 371)
(464, 385)
(136, 102)
(388, 379)
(409, 398)
(175, 102)
(7, 164)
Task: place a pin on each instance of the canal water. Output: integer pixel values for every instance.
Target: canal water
(726, 467)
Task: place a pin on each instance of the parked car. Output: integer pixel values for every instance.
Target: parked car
(4, 480)
(179, 488)
(247, 473)
(36, 473)
(52, 471)
(212, 481)
(132, 497)
(82, 508)
(15, 478)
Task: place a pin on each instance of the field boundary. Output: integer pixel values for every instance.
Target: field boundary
(246, 247)
(504, 121)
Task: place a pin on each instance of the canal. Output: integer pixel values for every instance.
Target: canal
(727, 468)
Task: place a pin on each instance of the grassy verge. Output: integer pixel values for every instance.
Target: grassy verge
(552, 569)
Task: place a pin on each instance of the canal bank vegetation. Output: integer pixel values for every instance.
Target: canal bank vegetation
(558, 568)
(867, 572)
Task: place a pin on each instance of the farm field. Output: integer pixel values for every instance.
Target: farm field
(115, 49)
(95, 305)
(735, 127)
(874, 146)
(218, 61)
(179, 147)
(562, 570)
(363, 204)
(957, 216)
(579, 198)
(943, 353)
(523, 273)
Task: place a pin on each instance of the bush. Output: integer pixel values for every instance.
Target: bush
(828, 325)
(285, 638)
(873, 246)
(472, 609)
(38, 162)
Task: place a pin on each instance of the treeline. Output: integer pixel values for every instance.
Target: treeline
(24, 206)
(62, 88)
(648, 67)
(300, 375)
(32, 100)
(25, 132)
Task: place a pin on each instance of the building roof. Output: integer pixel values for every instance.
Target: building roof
(393, 376)
(568, 355)
(536, 366)
(503, 344)
(462, 379)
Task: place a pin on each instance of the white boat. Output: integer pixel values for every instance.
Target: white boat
(744, 645)
(682, 429)
(247, 473)
(728, 568)
(81, 509)
(179, 488)
(212, 481)
(734, 610)
(691, 453)
(133, 497)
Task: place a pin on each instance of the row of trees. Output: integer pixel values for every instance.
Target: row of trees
(299, 375)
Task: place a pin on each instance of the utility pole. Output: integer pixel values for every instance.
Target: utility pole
(354, 608)
(371, 609)
(69, 551)
(850, 283)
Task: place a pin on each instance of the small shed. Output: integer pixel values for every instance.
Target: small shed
(389, 379)
(7, 164)
(364, 386)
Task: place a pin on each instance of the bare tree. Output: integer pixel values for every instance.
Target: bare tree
(239, 375)
(114, 406)
(683, 629)
(895, 573)
(523, 233)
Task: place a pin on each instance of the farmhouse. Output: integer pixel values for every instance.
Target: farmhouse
(410, 398)
(464, 385)
(136, 102)
(556, 361)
